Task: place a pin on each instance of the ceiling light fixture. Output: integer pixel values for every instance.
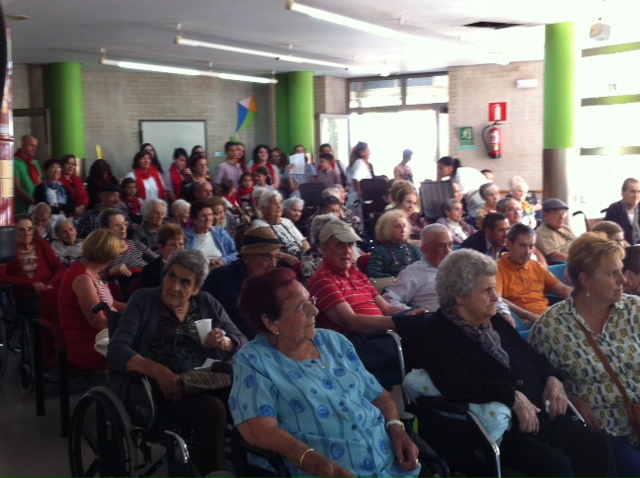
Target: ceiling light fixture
(351, 23)
(180, 40)
(183, 71)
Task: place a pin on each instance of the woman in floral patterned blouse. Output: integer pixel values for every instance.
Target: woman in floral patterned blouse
(597, 307)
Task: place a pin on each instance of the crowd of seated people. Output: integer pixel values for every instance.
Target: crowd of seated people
(274, 271)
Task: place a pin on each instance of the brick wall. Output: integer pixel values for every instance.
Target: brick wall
(114, 102)
(471, 88)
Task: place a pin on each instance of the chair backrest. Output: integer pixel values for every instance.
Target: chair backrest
(432, 195)
(311, 194)
(50, 343)
(558, 270)
(373, 188)
(362, 262)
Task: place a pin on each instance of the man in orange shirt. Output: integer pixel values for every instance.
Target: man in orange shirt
(523, 283)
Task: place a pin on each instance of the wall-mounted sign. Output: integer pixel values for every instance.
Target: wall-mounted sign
(498, 111)
(467, 141)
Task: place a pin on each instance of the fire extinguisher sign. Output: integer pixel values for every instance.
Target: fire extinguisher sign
(498, 111)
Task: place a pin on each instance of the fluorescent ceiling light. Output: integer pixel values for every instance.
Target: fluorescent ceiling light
(180, 40)
(351, 23)
(184, 71)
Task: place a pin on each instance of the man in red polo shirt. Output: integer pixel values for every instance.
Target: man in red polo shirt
(345, 296)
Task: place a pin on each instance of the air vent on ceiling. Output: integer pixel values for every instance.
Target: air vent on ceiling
(493, 25)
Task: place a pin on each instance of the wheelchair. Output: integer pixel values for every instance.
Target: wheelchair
(113, 437)
(16, 338)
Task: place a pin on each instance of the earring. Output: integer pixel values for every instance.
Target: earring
(588, 293)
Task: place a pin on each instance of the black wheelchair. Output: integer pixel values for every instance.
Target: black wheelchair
(111, 436)
(16, 338)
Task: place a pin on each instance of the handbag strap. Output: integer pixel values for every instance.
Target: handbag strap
(605, 362)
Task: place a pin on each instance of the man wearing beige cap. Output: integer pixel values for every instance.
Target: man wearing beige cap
(345, 296)
(259, 253)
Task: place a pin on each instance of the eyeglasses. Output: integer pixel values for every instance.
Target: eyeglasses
(513, 209)
(302, 308)
(25, 229)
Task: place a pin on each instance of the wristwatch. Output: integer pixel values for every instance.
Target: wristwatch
(391, 423)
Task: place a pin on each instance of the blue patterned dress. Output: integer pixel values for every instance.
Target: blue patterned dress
(325, 403)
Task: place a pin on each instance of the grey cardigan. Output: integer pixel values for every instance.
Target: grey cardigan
(139, 322)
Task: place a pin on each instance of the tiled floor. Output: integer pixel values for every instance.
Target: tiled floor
(30, 445)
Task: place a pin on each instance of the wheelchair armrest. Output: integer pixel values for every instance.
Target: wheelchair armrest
(441, 404)
(241, 449)
(429, 458)
(55, 331)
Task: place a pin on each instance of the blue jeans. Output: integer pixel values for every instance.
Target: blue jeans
(627, 457)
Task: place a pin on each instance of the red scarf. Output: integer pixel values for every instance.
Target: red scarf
(133, 204)
(142, 175)
(233, 200)
(176, 179)
(34, 172)
(243, 193)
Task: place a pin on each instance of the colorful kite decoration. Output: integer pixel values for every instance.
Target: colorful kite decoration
(247, 111)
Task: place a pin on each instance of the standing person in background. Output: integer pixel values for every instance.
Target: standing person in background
(402, 170)
(147, 177)
(469, 180)
(280, 160)
(326, 174)
(295, 180)
(229, 169)
(198, 149)
(27, 173)
(74, 184)
(176, 175)
(99, 175)
(52, 191)
(359, 169)
(336, 165)
(155, 162)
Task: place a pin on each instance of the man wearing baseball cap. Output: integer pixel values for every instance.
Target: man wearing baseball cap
(345, 296)
(109, 197)
(553, 236)
(259, 252)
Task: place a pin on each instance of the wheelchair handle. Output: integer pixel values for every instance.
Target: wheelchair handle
(99, 307)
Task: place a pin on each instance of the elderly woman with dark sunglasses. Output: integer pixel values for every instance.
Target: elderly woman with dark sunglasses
(303, 392)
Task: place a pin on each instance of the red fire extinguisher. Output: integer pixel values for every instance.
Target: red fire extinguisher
(492, 138)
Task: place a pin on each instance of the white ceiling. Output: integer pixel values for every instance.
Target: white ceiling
(144, 30)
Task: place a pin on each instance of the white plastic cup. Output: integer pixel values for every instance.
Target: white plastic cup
(204, 327)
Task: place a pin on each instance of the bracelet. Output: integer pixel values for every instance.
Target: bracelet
(308, 450)
(391, 423)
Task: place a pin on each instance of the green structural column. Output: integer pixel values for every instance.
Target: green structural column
(300, 103)
(282, 113)
(63, 97)
(560, 108)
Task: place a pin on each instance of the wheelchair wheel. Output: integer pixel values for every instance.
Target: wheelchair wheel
(100, 438)
(4, 348)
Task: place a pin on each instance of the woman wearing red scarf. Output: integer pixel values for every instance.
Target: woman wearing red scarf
(261, 155)
(74, 184)
(147, 178)
(177, 173)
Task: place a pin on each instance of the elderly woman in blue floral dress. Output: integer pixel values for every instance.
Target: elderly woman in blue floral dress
(303, 392)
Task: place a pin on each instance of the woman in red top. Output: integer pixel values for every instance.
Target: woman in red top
(99, 175)
(35, 268)
(80, 290)
(147, 177)
(74, 184)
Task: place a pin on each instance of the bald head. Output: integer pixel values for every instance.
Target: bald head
(29, 145)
